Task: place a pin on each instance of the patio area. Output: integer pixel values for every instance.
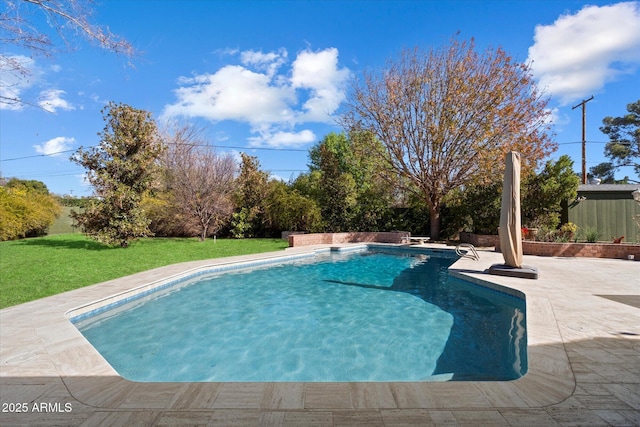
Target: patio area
(583, 324)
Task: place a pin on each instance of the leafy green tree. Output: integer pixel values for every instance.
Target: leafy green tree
(308, 184)
(26, 209)
(345, 179)
(337, 191)
(30, 185)
(121, 169)
(477, 207)
(252, 188)
(377, 191)
(165, 217)
(543, 194)
(287, 209)
(605, 172)
(623, 148)
(444, 116)
(71, 201)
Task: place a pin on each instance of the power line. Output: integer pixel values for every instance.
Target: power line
(193, 145)
(47, 174)
(36, 155)
(237, 147)
(588, 142)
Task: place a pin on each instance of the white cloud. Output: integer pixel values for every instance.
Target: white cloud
(557, 118)
(271, 101)
(282, 139)
(17, 74)
(269, 62)
(319, 72)
(55, 146)
(578, 54)
(227, 51)
(233, 93)
(51, 100)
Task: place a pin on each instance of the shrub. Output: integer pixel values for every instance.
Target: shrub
(542, 194)
(567, 232)
(26, 211)
(591, 235)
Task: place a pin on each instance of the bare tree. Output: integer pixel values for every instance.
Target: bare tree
(24, 24)
(446, 117)
(201, 182)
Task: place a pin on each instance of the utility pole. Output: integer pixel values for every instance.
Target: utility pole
(584, 136)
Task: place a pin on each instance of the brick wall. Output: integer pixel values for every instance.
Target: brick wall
(593, 250)
(479, 240)
(337, 238)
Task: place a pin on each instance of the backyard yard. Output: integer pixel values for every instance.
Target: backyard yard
(44, 266)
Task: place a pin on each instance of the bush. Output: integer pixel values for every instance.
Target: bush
(567, 232)
(26, 211)
(241, 224)
(476, 209)
(287, 209)
(591, 235)
(542, 194)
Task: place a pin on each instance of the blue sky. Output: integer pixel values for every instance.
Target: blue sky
(268, 77)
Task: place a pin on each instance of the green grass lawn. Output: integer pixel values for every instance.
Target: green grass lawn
(39, 267)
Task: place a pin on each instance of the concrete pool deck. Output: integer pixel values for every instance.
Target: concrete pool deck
(583, 324)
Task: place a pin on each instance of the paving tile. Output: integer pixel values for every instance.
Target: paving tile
(283, 396)
(480, 418)
(235, 418)
(308, 419)
(628, 393)
(184, 418)
(45, 418)
(148, 395)
(576, 417)
(528, 418)
(271, 418)
(195, 396)
(371, 395)
(592, 390)
(620, 418)
(357, 418)
(100, 392)
(411, 395)
(443, 418)
(327, 396)
(101, 418)
(240, 395)
(406, 417)
(603, 402)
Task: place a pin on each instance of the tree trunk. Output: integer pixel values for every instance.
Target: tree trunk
(434, 226)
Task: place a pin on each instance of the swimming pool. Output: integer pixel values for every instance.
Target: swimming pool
(371, 314)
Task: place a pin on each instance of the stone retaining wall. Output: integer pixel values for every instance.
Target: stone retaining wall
(356, 237)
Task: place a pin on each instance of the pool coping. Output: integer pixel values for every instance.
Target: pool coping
(37, 341)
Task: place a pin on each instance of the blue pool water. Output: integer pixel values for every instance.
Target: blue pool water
(366, 316)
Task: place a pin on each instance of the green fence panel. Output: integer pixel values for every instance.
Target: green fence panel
(611, 213)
